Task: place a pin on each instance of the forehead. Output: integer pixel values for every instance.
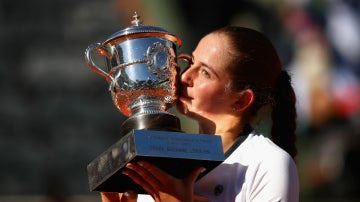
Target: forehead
(216, 40)
(214, 50)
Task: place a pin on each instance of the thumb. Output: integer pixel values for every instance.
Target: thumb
(195, 174)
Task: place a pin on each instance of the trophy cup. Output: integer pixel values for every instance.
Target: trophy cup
(143, 75)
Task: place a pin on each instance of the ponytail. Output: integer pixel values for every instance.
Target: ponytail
(284, 115)
(257, 66)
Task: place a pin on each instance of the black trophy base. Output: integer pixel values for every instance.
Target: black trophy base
(176, 153)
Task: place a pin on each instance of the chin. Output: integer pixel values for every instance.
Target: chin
(184, 110)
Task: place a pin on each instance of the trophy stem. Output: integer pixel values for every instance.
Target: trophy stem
(146, 104)
(160, 121)
(149, 113)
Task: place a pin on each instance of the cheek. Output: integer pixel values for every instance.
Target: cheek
(205, 91)
(213, 90)
(211, 96)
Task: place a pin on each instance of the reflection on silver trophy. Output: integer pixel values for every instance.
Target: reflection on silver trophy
(142, 71)
(143, 75)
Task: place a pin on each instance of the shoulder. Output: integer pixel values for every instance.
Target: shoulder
(261, 147)
(263, 157)
(270, 168)
(258, 149)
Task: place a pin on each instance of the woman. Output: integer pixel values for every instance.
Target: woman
(234, 73)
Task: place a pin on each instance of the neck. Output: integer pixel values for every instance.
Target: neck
(229, 128)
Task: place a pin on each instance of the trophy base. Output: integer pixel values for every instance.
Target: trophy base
(174, 152)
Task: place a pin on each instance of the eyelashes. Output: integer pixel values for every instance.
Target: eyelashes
(205, 73)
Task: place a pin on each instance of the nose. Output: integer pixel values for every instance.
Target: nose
(187, 76)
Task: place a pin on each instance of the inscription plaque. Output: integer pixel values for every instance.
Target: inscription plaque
(175, 152)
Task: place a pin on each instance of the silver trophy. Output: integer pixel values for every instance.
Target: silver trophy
(141, 67)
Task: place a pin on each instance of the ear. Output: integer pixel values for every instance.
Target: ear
(244, 99)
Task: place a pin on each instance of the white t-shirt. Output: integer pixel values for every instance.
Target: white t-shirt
(256, 171)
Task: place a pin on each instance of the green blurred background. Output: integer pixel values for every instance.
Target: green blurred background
(56, 115)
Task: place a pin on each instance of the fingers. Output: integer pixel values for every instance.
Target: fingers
(128, 196)
(198, 198)
(150, 173)
(142, 177)
(156, 182)
(154, 170)
(195, 174)
(110, 197)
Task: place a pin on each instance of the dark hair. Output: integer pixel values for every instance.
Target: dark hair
(257, 66)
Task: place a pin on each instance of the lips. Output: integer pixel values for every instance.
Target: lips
(183, 93)
(183, 96)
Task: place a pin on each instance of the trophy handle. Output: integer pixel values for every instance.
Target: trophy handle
(89, 61)
(186, 58)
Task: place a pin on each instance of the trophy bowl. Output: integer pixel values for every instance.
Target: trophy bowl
(141, 67)
(143, 75)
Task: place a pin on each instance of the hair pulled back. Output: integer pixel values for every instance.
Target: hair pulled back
(256, 66)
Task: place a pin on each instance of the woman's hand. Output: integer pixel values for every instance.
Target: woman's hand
(198, 198)
(128, 196)
(160, 185)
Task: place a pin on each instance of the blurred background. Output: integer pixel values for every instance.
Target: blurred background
(56, 115)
